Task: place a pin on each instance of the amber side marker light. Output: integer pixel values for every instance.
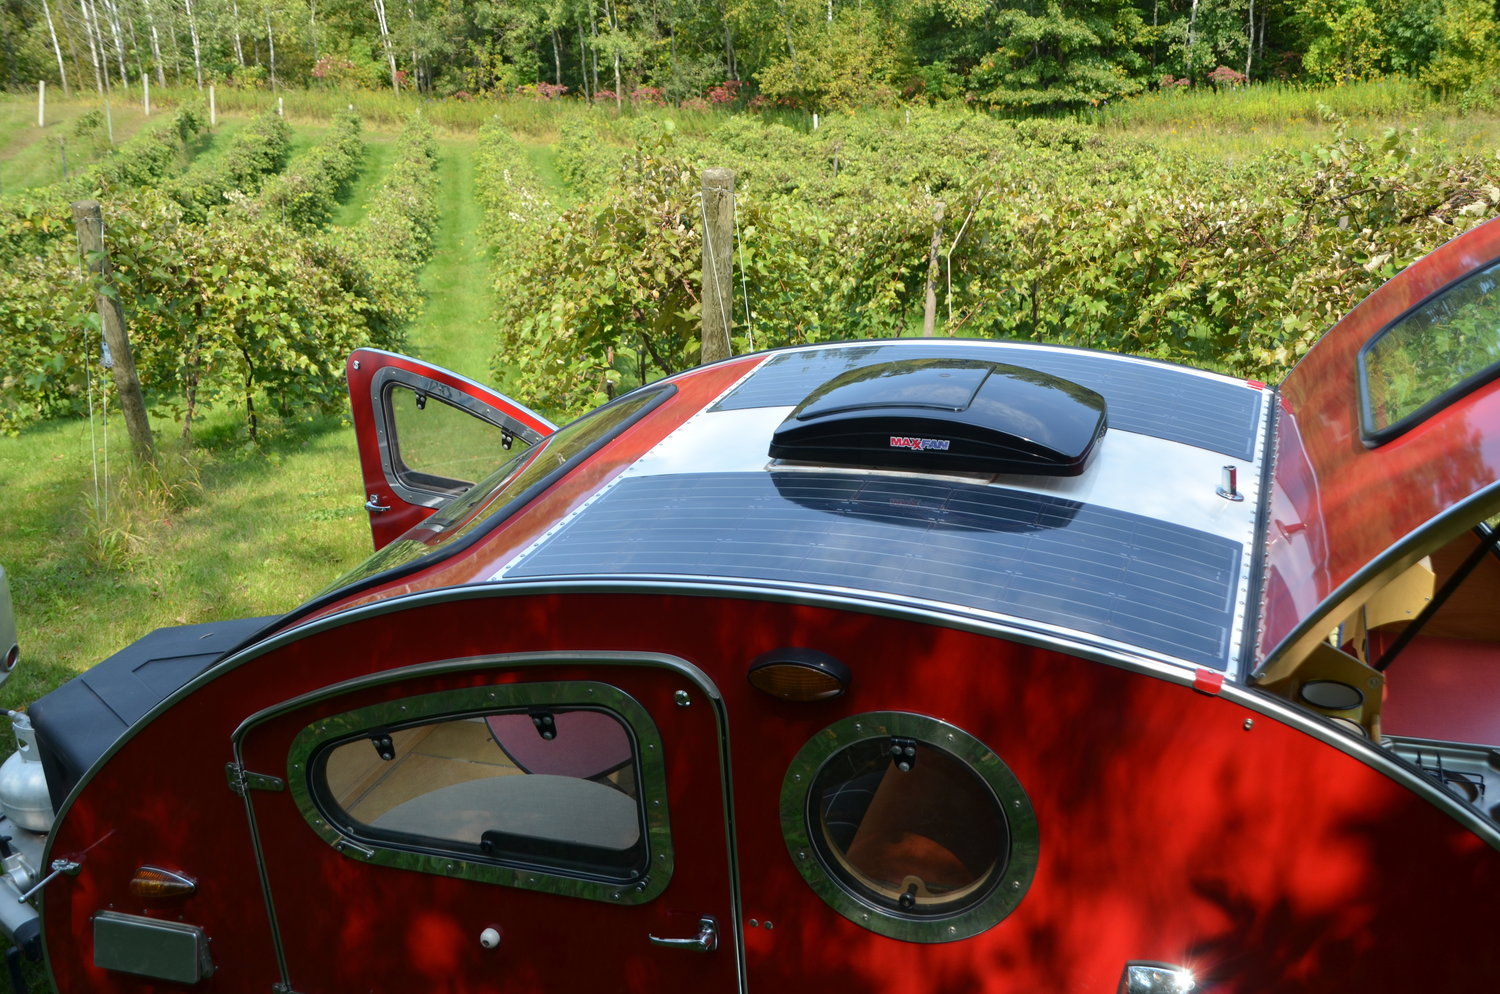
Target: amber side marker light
(799, 675)
(154, 882)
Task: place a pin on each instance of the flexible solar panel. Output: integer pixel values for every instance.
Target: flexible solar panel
(1157, 400)
(1095, 570)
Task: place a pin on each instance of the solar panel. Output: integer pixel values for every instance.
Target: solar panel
(1157, 400)
(1095, 570)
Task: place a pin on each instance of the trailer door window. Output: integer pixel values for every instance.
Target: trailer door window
(533, 785)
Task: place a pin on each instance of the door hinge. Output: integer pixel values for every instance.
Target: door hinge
(242, 780)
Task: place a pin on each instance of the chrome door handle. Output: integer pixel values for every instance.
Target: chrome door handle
(706, 941)
(373, 504)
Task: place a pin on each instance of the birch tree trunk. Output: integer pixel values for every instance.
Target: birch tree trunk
(1249, 40)
(62, 73)
(1191, 26)
(91, 32)
(193, 32)
(385, 40)
(271, 46)
(614, 26)
(583, 63)
(112, 14)
(734, 70)
(239, 50)
(161, 73)
(416, 63)
(312, 29)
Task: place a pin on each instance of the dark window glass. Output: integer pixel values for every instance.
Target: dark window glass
(1438, 352)
(440, 447)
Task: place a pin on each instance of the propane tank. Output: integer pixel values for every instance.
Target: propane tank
(23, 785)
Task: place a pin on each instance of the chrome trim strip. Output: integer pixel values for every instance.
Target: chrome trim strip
(1372, 755)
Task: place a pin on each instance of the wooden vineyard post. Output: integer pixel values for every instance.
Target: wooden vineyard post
(929, 315)
(89, 221)
(718, 255)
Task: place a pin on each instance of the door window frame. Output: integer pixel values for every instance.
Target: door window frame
(331, 730)
(398, 475)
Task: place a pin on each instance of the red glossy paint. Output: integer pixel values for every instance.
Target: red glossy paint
(1170, 830)
(361, 368)
(696, 390)
(1336, 504)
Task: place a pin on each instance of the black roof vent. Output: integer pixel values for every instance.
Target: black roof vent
(946, 414)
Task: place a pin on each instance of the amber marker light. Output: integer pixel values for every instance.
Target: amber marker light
(799, 675)
(154, 882)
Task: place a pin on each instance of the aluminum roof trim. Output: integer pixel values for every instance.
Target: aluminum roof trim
(1139, 474)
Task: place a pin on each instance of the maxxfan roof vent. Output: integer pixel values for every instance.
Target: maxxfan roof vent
(946, 414)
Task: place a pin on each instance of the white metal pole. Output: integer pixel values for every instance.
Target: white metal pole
(41, 103)
(146, 92)
(213, 114)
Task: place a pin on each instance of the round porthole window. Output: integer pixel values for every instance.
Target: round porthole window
(909, 826)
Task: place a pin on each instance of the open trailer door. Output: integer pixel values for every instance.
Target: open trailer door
(1385, 443)
(517, 823)
(426, 435)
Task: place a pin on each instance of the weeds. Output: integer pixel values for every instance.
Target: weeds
(121, 516)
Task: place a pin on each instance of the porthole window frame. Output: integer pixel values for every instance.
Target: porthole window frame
(799, 820)
(329, 732)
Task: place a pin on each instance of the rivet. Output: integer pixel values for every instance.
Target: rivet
(802, 854)
(797, 777)
(682, 699)
(1249, 724)
(952, 930)
(1015, 885)
(754, 923)
(356, 364)
(769, 926)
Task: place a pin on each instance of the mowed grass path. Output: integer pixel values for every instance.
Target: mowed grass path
(456, 329)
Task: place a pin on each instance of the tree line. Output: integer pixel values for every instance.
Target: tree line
(1012, 55)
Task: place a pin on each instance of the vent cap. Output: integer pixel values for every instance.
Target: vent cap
(962, 415)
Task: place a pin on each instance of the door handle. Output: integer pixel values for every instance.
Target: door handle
(373, 504)
(706, 941)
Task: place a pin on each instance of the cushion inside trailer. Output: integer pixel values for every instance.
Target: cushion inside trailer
(79, 721)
